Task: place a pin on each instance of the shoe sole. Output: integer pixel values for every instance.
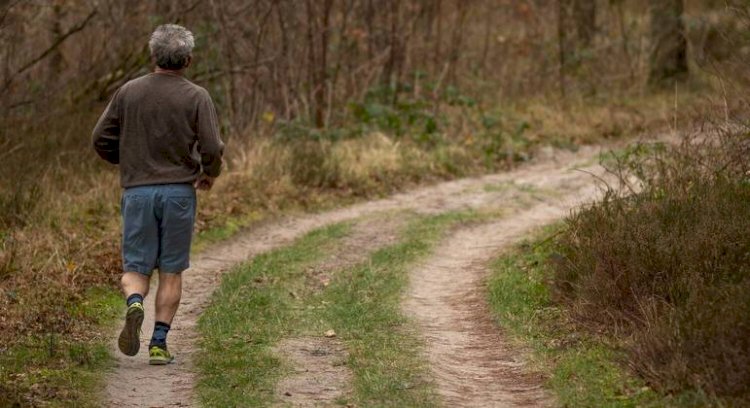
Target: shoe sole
(160, 361)
(129, 341)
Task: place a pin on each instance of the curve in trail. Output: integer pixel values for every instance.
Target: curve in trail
(133, 383)
(472, 363)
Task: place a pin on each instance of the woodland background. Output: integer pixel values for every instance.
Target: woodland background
(324, 102)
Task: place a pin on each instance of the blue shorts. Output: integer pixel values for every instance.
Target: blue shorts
(157, 227)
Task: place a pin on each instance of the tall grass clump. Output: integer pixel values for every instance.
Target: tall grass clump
(664, 262)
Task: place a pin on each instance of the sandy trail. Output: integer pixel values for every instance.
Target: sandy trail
(133, 383)
(470, 361)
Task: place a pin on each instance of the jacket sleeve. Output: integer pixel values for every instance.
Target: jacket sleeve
(210, 146)
(106, 134)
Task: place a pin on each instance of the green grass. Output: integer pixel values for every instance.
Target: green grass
(582, 370)
(268, 299)
(255, 306)
(363, 306)
(223, 231)
(60, 371)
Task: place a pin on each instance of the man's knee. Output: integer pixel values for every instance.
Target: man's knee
(135, 282)
(170, 279)
(170, 284)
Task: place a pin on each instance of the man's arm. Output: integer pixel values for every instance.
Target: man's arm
(106, 134)
(210, 146)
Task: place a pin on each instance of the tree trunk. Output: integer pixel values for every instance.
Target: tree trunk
(563, 46)
(312, 65)
(577, 26)
(56, 58)
(322, 70)
(393, 46)
(668, 61)
(584, 13)
(457, 39)
(438, 16)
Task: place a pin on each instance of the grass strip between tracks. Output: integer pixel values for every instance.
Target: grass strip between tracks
(254, 307)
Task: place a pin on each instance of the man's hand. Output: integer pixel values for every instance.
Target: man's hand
(204, 182)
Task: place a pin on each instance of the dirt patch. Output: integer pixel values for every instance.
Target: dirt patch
(320, 373)
(132, 383)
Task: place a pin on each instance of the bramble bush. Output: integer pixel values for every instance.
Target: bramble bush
(664, 261)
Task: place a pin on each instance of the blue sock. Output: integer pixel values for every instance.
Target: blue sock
(135, 297)
(160, 335)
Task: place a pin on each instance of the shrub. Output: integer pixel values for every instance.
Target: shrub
(16, 206)
(665, 261)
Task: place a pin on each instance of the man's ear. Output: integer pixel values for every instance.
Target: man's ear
(189, 61)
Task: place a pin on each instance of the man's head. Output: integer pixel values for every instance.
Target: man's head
(171, 47)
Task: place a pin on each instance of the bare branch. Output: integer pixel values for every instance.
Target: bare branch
(78, 27)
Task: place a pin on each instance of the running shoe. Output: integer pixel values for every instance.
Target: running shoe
(159, 356)
(130, 336)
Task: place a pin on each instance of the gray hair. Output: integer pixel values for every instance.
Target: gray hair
(171, 46)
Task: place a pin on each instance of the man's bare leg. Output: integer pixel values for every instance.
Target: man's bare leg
(167, 301)
(135, 287)
(168, 296)
(134, 283)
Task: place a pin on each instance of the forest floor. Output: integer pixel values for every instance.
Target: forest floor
(469, 361)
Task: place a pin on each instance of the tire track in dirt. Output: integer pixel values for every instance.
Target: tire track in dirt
(472, 363)
(133, 383)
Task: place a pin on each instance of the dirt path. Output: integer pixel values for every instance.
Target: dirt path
(132, 383)
(470, 360)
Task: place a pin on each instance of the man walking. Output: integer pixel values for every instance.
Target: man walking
(163, 132)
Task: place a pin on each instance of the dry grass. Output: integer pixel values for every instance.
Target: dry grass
(667, 267)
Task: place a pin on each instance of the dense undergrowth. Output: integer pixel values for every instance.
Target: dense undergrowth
(663, 262)
(582, 369)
